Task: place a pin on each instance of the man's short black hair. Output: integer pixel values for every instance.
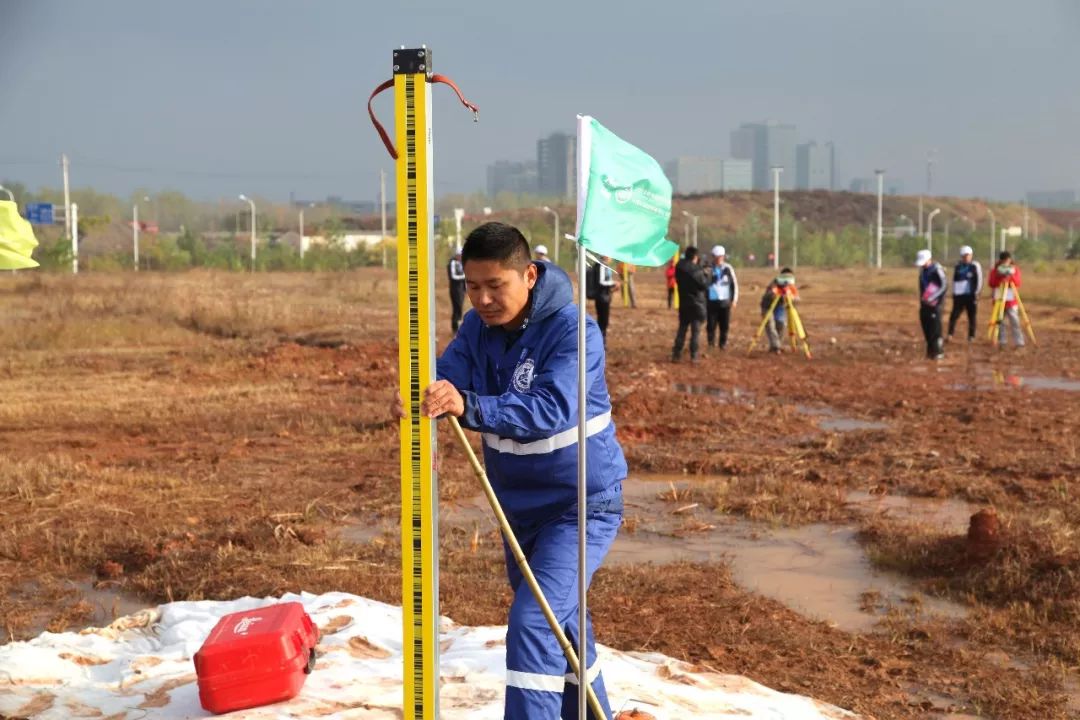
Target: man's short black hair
(691, 253)
(500, 242)
(1004, 255)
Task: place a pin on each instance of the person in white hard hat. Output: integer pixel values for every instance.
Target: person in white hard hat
(967, 282)
(541, 253)
(723, 297)
(455, 272)
(932, 289)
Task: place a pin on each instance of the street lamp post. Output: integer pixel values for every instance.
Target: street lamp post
(303, 239)
(10, 195)
(930, 229)
(693, 219)
(795, 242)
(555, 236)
(251, 202)
(993, 230)
(880, 191)
(776, 170)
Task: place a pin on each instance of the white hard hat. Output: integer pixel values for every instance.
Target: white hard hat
(966, 250)
(541, 250)
(457, 250)
(719, 251)
(922, 258)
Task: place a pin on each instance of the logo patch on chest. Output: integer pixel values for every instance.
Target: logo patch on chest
(523, 375)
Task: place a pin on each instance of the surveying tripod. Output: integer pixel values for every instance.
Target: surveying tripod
(997, 314)
(795, 329)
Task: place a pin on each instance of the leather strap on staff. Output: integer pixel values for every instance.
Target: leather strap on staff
(389, 84)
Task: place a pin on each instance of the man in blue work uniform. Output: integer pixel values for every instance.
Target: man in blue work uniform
(967, 282)
(511, 374)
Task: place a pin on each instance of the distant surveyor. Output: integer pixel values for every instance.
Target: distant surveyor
(604, 284)
(1005, 279)
(932, 290)
(967, 282)
(723, 297)
(781, 289)
(692, 281)
(456, 273)
(669, 279)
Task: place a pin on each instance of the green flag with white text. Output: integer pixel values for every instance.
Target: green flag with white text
(17, 239)
(624, 198)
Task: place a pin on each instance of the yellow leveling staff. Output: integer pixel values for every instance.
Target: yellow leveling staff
(997, 315)
(416, 370)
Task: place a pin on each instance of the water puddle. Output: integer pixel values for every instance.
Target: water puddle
(947, 513)
(732, 394)
(990, 379)
(832, 421)
(818, 570)
(106, 602)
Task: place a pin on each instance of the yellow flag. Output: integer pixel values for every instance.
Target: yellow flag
(17, 239)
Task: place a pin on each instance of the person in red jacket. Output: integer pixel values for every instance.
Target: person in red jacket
(1003, 279)
(669, 273)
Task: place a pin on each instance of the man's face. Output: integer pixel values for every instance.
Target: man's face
(497, 292)
(966, 257)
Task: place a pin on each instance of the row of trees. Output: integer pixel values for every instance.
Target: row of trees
(215, 235)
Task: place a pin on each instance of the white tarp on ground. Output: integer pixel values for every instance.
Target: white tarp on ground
(141, 667)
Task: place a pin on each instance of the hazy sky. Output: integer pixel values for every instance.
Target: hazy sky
(218, 97)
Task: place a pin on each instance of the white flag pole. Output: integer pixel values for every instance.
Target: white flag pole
(584, 143)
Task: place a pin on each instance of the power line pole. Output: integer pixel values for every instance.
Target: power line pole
(880, 191)
(67, 195)
(776, 215)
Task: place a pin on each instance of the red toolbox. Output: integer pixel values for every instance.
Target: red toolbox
(256, 657)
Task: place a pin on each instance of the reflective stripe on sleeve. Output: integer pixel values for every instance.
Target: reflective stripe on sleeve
(547, 445)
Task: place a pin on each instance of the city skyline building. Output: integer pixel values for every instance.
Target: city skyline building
(766, 144)
(556, 165)
(1051, 199)
(513, 176)
(815, 166)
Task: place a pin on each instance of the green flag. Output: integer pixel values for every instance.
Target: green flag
(17, 239)
(624, 199)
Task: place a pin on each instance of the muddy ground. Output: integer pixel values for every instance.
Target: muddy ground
(212, 435)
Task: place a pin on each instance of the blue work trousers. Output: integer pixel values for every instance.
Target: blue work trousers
(539, 682)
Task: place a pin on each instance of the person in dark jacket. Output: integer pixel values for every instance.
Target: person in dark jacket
(692, 281)
(455, 272)
(967, 282)
(604, 283)
(932, 290)
(723, 296)
(511, 374)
